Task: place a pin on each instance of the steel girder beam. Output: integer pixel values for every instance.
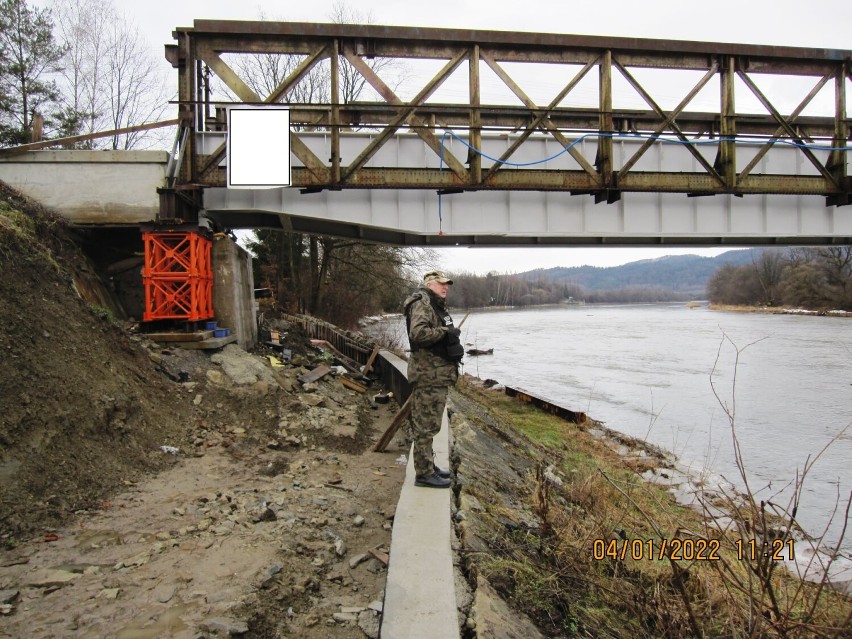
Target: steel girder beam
(577, 182)
(505, 118)
(209, 47)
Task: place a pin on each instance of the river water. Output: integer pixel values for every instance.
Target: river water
(649, 371)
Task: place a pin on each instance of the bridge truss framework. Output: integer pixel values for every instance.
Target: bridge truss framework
(740, 142)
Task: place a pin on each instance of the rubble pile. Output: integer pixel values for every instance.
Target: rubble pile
(273, 518)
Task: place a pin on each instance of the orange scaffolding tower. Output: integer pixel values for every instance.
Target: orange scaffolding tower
(177, 276)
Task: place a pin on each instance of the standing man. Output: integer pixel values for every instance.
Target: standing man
(433, 367)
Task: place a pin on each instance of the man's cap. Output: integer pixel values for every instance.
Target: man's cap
(436, 276)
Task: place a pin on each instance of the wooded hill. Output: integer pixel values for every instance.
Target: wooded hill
(684, 274)
(665, 279)
(812, 278)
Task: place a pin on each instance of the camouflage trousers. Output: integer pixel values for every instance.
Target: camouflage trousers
(427, 409)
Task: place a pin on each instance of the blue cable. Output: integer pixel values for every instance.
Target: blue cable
(635, 136)
(640, 136)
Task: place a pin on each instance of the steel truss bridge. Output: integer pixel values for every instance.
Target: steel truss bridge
(604, 147)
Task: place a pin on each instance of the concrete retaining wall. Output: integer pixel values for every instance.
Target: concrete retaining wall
(90, 187)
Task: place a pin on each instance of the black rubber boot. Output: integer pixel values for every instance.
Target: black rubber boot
(431, 481)
(443, 474)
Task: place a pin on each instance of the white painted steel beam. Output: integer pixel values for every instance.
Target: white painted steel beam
(406, 150)
(506, 218)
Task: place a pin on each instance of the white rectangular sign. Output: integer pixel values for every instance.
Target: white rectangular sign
(258, 150)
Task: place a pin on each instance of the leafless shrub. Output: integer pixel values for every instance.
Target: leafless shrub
(746, 589)
(761, 532)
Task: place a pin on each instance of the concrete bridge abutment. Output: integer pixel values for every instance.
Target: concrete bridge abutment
(233, 290)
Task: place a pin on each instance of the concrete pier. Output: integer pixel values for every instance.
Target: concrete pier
(233, 290)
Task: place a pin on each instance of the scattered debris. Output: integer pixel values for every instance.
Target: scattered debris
(382, 398)
(380, 554)
(338, 487)
(369, 365)
(274, 361)
(318, 373)
(190, 536)
(348, 382)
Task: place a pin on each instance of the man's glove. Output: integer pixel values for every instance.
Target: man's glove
(455, 332)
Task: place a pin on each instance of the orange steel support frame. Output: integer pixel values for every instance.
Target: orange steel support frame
(177, 276)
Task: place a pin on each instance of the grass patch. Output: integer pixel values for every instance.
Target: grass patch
(20, 232)
(15, 225)
(104, 313)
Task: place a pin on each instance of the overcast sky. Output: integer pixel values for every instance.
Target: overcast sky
(813, 23)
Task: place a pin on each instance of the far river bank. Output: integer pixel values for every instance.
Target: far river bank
(776, 310)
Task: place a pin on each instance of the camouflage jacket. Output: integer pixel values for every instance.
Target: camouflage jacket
(425, 329)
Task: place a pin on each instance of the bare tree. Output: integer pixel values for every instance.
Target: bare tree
(836, 265)
(352, 83)
(769, 268)
(81, 25)
(732, 284)
(111, 80)
(324, 272)
(264, 72)
(136, 90)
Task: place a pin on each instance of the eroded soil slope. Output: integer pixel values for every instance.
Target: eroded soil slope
(149, 491)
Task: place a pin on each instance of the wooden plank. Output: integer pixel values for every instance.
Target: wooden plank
(205, 344)
(396, 422)
(381, 556)
(196, 336)
(546, 405)
(348, 382)
(372, 359)
(86, 136)
(320, 371)
(347, 362)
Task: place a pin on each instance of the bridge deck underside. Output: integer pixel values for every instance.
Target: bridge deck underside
(539, 217)
(533, 218)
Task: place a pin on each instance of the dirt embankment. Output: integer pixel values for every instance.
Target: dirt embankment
(148, 491)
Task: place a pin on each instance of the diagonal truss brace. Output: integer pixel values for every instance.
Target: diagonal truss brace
(247, 94)
(778, 133)
(541, 118)
(786, 126)
(210, 43)
(669, 121)
(406, 113)
(523, 97)
(669, 118)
